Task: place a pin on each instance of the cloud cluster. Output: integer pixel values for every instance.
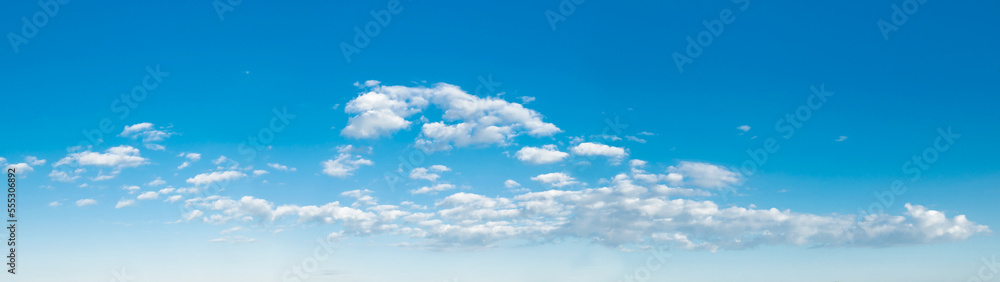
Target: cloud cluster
(345, 164)
(117, 157)
(623, 213)
(467, 120)
(147, 133)
(546, 154)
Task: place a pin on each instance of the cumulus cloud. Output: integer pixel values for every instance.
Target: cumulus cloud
(704, 175)
(433, 189)
(259, 172)
(281, 167)
(547, 154)
(215, 176)
(345, 164)
(555, 179)
(511, 184)
(614, 154)
(122, 203)
(623, 213)
(116, 157)
(147, 133)
(467, 120)
(149, 195)
(65, 176)
(85, 202)
(423, 173)
(156, 182)
(32, 160)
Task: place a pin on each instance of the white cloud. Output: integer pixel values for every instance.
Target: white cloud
(147, 133)
(615, 154)
(157, 182)
(101, 176)
(123, 203)
(219, 160)
(234, 240)
(640, 216)
(471, 120)
(545, 155)
(174, 198)
(215, 176)
(194, 157)
(743, 128)
(526, 99)
(556, 179)
(511, 184)
(32, 160)
(705, 175)
(86, 202)
(54, 204)
(117, 157)
(439, 168)
(423, 173)
(635, 139)
(20, 168)
(345, 164)
(231, 230)
(63, 176)
(149, 195)
(841, 138)
(259, 172)
(281, 167)
(131, 188)
(433, 189)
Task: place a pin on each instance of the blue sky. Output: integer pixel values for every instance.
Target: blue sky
(529, 140)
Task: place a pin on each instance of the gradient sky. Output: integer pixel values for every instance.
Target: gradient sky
(550, 145)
